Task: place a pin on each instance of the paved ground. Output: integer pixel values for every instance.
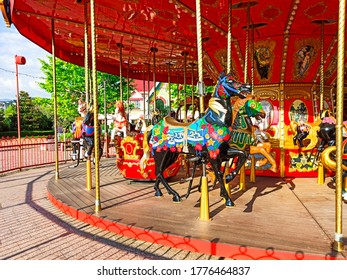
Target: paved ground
(32, 228)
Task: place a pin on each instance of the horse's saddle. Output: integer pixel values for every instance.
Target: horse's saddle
(170, 121)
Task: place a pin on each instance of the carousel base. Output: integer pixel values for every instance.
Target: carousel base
(274, 218)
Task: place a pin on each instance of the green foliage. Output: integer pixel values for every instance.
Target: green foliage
(161, 108)
(177, 92)
(35, 114)
(70, 87)
(3, 125)
(10, 120)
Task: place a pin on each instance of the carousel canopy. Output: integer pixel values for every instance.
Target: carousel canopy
(285, 37)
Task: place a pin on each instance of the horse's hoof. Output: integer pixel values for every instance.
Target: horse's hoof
(176, 199)
(158, 194)
(229, 203)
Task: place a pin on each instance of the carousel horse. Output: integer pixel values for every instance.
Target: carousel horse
(140, 125)
(206, 138)
(120, 122)
(246, 135)
(77, 141)
(328, 159)
(88, 134)
(321, 133)
(305, 131)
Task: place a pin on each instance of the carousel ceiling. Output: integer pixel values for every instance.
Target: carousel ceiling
(285, 36)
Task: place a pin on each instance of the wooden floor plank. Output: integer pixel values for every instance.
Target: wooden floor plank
(293, 217)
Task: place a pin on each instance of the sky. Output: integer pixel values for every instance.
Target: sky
(13, 43)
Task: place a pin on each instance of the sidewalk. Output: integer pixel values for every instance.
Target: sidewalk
(31, 228)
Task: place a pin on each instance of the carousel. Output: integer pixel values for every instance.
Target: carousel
(275, 65)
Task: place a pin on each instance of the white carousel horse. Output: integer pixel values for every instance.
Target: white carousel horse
(120, 122)
(77, 141)
(140, 125)
(82, 107)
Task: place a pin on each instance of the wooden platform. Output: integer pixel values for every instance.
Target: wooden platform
(273, 218)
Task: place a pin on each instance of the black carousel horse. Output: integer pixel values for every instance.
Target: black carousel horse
(320, 134)
(88, 135)
(206, 138)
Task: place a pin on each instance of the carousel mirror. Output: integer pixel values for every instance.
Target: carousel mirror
(298, 111)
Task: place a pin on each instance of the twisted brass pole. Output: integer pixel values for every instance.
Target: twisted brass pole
(87, 85)
(169, 82)
(148, 88)
(185, 85)
(86, 53)
(200, 58)
(96, 109)
(154, 50)
(120, 46)
(338, 244)
(144, 96)
(229, 51)
(193, 99)
(321, 69)
(55, 105)
(247, 45)
(128, 90)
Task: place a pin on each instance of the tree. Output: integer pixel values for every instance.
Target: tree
(11, 117)
(3, 124)
(177, 92)
(70, 87)
(45, 107)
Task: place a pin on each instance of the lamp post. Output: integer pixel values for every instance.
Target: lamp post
(19, 60)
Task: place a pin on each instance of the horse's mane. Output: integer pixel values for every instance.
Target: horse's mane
(215, 106)
(240, 103)
(121, 110)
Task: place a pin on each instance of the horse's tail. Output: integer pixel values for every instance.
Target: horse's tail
(145, 145)
(313, 136)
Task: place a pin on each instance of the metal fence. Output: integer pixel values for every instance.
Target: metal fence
(36, 151)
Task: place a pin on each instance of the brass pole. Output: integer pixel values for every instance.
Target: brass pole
(332, 100)
(200, 58)
(229, 49)
(321, 169)
(338, 244)
(282, 130)
(128, 89)
(87, 86)
(322, 69)
(247, 45)
(154, 50)
(120, 46)
(204, 196)
(193, 99)
(96, 109)
(252, 59)
(185, 85)
(105, 121)
(169, 82)
(55, 105)
(149, 90)
(86, 52)
(144, 97)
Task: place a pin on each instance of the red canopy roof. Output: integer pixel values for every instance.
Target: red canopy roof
(287, 36)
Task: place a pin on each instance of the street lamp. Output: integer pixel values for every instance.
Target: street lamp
(19, 60)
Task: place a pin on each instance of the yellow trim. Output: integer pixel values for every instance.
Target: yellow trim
(4, 14)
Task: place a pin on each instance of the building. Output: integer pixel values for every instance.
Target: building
(139, 98)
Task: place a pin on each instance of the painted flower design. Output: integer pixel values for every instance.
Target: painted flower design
(198, 147)
(166, 130)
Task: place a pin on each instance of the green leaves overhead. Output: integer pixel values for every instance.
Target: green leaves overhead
(70, 86)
